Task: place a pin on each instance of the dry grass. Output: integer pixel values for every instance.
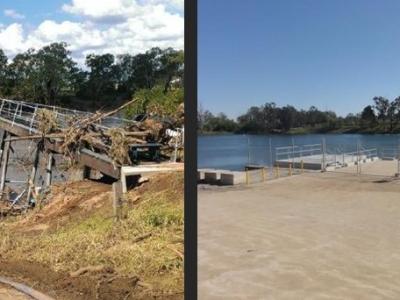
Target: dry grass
(47, 121)
(158, 217)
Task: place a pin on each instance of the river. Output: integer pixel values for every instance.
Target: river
(233, 152)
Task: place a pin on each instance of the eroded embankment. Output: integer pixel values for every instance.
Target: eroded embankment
(72, 248)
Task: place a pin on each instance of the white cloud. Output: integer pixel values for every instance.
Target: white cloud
(118, 10)
(11, 39)
(13, 14)
(121, 26)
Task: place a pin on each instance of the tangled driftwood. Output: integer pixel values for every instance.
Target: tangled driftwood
(85, 132)
(47, 121)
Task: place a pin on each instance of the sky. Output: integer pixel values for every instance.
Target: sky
(91, 26)
(335, 55)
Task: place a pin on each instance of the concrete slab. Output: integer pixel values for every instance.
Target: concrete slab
(145, 169)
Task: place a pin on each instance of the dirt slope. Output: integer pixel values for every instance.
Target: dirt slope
(70, 247)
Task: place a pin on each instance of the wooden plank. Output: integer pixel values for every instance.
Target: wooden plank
(49, 168)
(98, 162)
(117, 199)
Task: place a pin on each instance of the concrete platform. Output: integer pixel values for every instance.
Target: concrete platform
(380, 167)
(314, 162)
(127, 171)
(226, 177)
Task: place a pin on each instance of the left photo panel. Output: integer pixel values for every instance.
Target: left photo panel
(92, 149)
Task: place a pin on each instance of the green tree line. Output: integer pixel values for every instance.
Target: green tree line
(51, 76)
(382, 116)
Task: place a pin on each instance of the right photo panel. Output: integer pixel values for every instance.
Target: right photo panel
(298, 149)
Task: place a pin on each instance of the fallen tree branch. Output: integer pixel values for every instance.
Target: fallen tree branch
(61, 135)
(88, 269)
(142, 237)
(177, 252)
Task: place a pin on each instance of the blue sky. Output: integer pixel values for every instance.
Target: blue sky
(91, 26)
(35, 12)
(336, 55)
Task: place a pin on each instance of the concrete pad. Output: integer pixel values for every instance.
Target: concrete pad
(317, 236)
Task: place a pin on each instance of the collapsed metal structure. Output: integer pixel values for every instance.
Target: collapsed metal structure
(19, 121)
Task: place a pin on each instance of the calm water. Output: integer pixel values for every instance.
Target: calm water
(232, 152)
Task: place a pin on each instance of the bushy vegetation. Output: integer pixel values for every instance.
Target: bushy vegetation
(50, 75)
(381, 117)
(156, 101)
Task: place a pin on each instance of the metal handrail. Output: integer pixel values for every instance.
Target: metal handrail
(22, 112)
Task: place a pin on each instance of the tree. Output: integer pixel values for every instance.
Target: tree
(287, 117)
(22, 77)
(145, 67)
(54, 69)
(219, 123)
(171, 66)
(382, 106)
(102, 75)
(368, 116)
(155, 102)
(270, 116)
(3, 72)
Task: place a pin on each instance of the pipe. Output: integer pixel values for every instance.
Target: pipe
(25, 289)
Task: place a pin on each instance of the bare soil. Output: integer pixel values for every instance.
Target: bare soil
(310, 236)
(63, 286)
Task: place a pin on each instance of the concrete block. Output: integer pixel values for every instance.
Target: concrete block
(330, 168)
(349, 164)
(212, 177)
(233, 178)
(200, 175)
(375, 158)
